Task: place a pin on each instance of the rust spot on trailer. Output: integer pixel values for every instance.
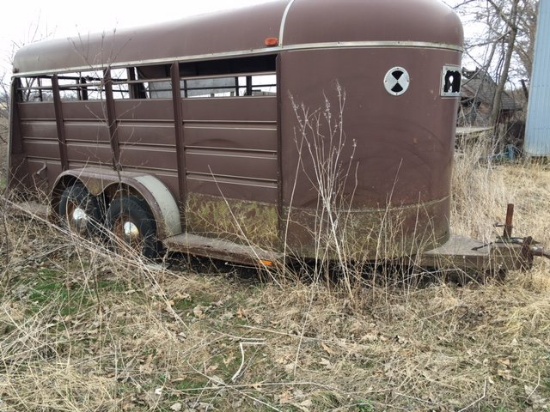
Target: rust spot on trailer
(244, 222)
(368, 234)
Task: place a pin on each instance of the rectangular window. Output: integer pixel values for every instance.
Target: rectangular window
(120, 83)
(36, 89)
(250, 76)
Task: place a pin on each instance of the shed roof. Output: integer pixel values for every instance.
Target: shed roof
(480, 86)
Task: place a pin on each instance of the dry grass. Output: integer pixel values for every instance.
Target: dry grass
(83, 330)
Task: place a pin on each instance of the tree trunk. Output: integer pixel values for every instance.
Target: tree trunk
(512, 24)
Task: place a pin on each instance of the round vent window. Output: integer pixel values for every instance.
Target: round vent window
(397, 81)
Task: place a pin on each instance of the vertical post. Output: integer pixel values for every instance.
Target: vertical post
(111, 119)
(509, 225)
(82, 90)
(16, 152)
(280, 175)
(180, 143)
(16, 97)
(248, 85)
(60, 123)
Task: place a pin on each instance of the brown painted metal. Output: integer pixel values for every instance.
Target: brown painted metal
(509, 225)
(221, 249)
(233, 162)
(180, 142)
(60, 123)
(400, 147)
(112, 119)
(231, 31)
(241, 30)
(18, 169)
(465, 254)
(280, 162)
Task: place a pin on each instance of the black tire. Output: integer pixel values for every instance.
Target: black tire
(79, 211)
(130, 221)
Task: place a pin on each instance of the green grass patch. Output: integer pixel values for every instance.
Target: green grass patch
(54, 287)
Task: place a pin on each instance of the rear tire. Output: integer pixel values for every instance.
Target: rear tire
(130, 221)
(79, 211)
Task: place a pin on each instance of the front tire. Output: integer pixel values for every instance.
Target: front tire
(131, 222)
(79, 211)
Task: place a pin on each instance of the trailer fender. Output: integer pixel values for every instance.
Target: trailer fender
(109, 183)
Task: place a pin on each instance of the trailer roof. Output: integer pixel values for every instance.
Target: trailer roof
(297, 24)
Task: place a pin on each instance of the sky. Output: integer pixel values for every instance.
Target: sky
(26, 21)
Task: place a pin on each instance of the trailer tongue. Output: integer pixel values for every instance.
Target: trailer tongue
(499, 256)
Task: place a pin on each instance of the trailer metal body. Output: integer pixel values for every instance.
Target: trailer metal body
(208, 124)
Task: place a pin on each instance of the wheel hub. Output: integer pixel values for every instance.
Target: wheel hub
(78, 219)
(130, 232)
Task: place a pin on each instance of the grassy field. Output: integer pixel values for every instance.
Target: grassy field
(84, 330)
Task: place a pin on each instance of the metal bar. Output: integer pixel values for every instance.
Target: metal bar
(526, 253)
(248, 85)
(258, 52)
(280, 209)
(111, 119)
(60, 124)
(16, 158)
(16, 138)
(132, 89)
(82, 89)
(509, 225)
(180, 142)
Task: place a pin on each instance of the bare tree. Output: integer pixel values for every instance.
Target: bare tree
(501, 41)
(4, 107)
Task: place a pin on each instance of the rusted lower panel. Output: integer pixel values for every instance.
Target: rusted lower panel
(240, 221)
(366, 234)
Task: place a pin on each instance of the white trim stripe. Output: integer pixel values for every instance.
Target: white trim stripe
(283, 23)
(262, 51)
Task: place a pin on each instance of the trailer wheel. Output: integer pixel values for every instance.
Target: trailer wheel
(130, 221)
(79, 211)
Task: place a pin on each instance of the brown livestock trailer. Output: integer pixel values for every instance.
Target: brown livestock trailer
(305, 128)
